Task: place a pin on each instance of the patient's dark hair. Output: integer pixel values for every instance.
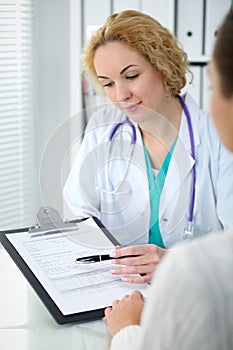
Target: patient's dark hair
(223, 55)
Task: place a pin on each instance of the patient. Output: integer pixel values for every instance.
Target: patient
(190, 303)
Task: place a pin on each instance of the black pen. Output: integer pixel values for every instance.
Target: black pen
(98, 258)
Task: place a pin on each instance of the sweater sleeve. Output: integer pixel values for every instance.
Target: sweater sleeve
(126, 338)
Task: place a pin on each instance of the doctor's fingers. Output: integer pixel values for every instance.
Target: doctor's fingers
(150, 257)
(133, 269)
(144, 278)
(137, 250)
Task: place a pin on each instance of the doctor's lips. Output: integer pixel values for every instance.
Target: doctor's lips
(128, 107)
(132, 107)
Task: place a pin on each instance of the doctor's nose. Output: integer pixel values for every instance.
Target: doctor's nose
(122, 93)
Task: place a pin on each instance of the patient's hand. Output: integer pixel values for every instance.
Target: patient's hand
(124, 312)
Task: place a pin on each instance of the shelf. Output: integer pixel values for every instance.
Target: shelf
(199, 60)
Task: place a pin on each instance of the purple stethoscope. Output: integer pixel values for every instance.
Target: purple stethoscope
(188, 232)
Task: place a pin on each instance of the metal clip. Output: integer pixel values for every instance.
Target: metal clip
(49, 220)
(188, 232)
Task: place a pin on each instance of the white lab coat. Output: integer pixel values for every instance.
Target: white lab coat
(102, 165)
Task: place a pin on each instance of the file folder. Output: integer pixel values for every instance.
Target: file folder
(121, 5)
(190, 18)
(215, 12)
(94, 15)
(162, 10)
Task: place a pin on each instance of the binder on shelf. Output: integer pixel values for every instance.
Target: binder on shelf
(94, 16)
(46, 255)
(215, 12)
(190, 18)
(120, 5)
(162, 10)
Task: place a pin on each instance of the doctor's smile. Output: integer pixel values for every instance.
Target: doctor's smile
(132, 107)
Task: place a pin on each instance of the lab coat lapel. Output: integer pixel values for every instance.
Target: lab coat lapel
(180, 166)
(178, 180)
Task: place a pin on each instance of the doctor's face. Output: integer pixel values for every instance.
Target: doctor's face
(221, 108)
(129, 80)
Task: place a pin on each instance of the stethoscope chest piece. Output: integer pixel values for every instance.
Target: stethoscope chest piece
(188, 231)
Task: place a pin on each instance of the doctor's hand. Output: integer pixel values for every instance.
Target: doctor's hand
(143, 264)
(124, 312)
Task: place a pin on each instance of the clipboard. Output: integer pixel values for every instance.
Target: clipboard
(50, 223)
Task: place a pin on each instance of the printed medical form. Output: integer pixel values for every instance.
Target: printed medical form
(74, 287)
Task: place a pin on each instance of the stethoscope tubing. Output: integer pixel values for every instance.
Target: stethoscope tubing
(118, 125)
(192, 145)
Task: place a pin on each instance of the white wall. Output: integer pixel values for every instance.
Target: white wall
(58, 92)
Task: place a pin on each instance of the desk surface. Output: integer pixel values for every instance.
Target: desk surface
(25, 323)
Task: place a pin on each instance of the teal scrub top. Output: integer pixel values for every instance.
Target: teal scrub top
(155, 189)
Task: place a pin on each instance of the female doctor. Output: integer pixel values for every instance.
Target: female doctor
(151, 166)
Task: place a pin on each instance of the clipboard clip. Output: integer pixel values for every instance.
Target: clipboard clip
(49, 220)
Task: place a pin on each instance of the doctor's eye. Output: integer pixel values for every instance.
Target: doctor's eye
(133, 76)
(107, 84)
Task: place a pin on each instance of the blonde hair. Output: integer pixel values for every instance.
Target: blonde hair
(153, 41)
